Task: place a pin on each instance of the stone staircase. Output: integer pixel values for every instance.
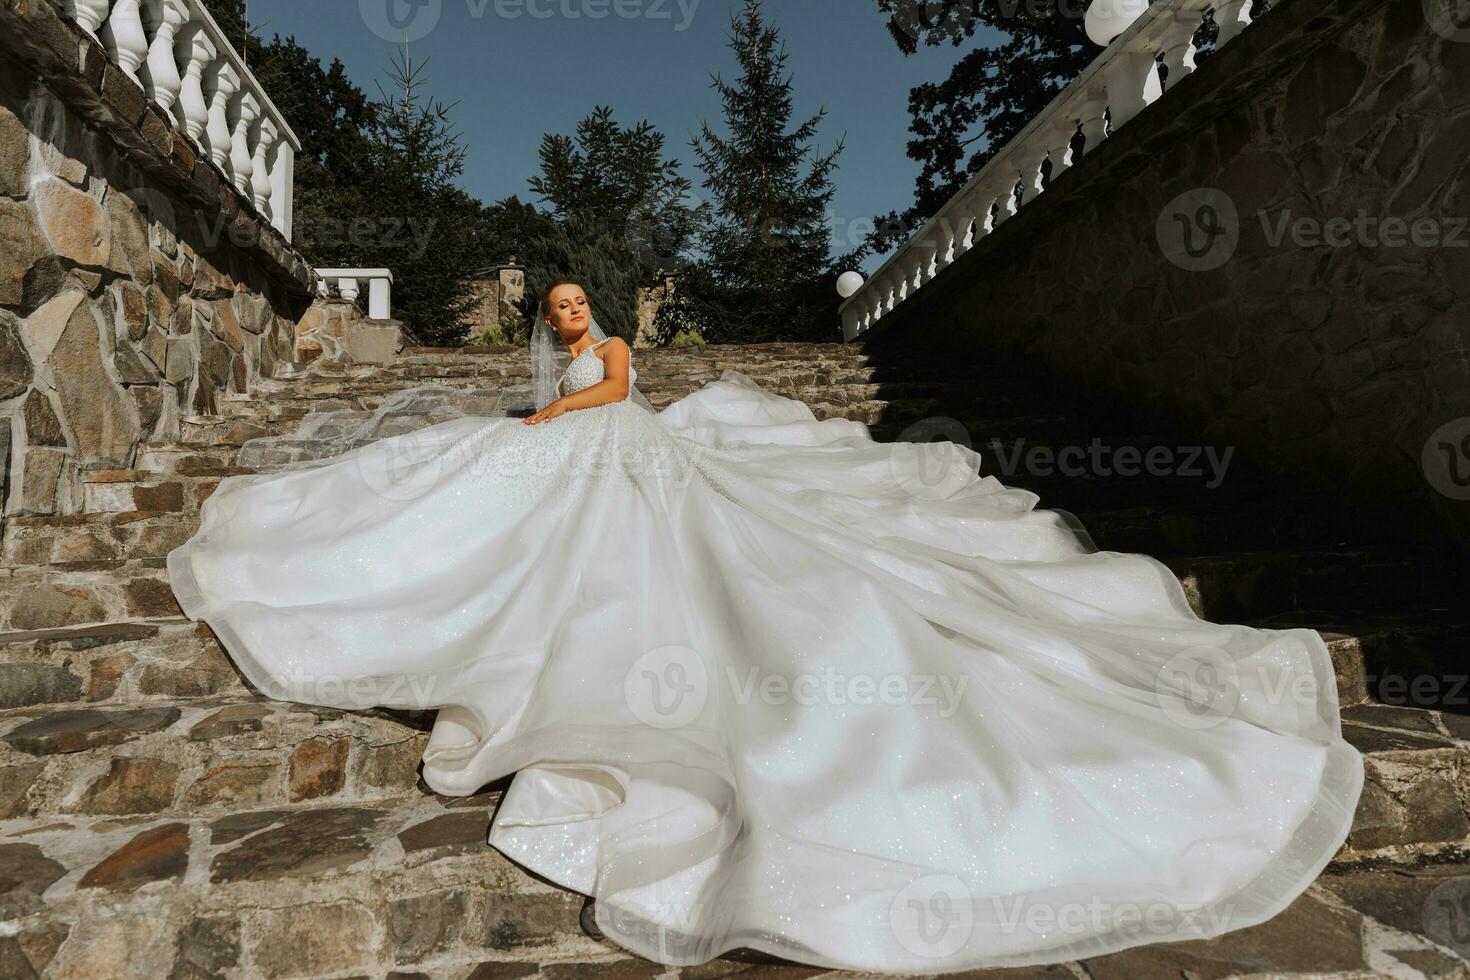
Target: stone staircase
(158, 818)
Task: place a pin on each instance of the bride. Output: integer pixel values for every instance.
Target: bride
(766, 683)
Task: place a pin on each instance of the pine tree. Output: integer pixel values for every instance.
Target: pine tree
(426, 232)
(582, 248)
(767, 261)
(617, 178)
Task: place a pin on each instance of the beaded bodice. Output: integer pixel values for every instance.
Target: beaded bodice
(586, 369)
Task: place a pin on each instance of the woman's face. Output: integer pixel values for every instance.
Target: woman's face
(570, 314)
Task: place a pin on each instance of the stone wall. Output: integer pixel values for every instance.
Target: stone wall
(136, 285)
(1273, 256)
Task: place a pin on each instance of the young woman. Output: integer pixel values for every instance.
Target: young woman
(767, 683)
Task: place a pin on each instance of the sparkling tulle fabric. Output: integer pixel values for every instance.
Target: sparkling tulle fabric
(766, 683)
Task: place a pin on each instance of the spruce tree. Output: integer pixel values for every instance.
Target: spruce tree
(767, 269)
(426, 231)
(618, 179)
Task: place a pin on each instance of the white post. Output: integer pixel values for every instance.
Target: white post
(380, 298)
(161, 71)
(124, 36)
(347, 289)
(196, 51)
(1127, 80)
(283, 188)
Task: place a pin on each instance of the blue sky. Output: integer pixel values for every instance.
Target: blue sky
(521, 68)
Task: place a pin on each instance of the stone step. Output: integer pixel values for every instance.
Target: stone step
(204, 755)
(368, 889)
(130, 491)
(1408, 659)
(167, 660)
(94, 537)
(182, 457)
(202, 759)
(1248, 587)
(1214, 525)
(34, 597)
(410, 888)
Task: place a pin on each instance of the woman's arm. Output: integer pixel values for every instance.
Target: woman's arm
(612, 388)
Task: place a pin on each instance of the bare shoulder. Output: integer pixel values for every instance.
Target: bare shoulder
(614, 347)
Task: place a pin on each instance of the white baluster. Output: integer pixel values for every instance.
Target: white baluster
(1091, 112)
(1233, 16)
(956, 232)
(1006, 204)
(1126, 80)
(1059, 147)
(1179, 58)
(89, 14)
(242, 162)
(161, 78)
(220, 84)
(197, 52)
(348, 290)
(265, 136)
(125, 38)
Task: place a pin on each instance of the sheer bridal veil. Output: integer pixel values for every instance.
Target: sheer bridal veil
(335, 428)
(549, 360)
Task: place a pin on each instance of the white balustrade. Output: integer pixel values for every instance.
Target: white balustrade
(186, 65)
(1119, 84)
(347, 283)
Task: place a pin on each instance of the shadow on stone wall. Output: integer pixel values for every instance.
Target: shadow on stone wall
(1275, 257)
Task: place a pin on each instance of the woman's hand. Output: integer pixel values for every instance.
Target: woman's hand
(549, 412)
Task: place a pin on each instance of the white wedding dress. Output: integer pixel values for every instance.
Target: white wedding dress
(766, 683)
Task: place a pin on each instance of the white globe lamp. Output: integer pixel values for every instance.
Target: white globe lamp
(849, 283)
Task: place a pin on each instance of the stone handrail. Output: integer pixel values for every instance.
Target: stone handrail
(1119, 83)
(187, 66)
(348, 284)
